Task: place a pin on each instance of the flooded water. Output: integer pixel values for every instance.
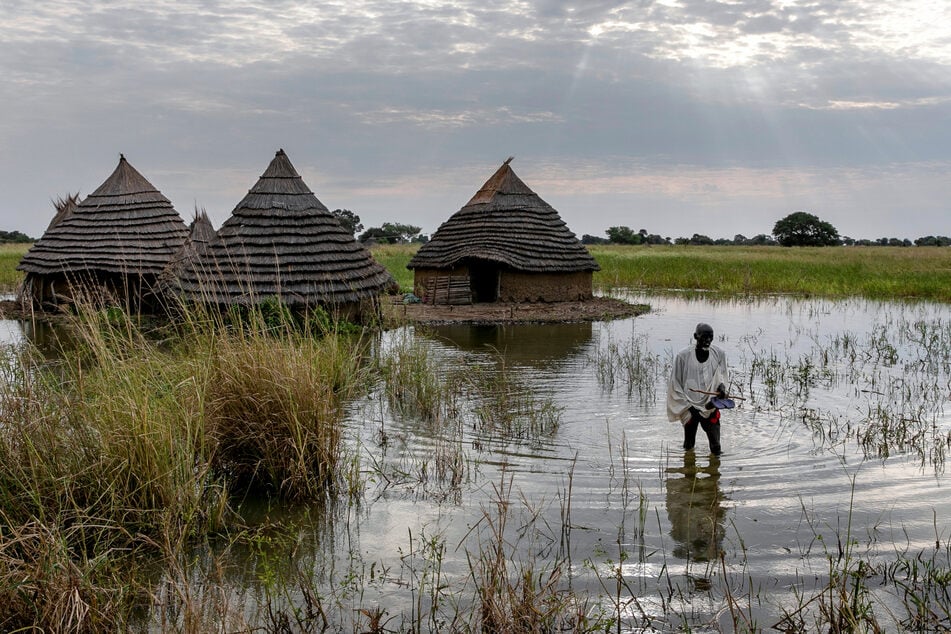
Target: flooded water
(789, 485)
(839, 438)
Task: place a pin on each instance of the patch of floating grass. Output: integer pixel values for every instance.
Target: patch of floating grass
(506, 406)
(631, 365)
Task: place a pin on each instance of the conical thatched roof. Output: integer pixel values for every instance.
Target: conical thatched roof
(281, 241)
(200, 233)
(508, 223)
(126, 227)
(64, 207)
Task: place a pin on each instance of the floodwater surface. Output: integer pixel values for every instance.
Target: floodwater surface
(839, 439)
(835, 450)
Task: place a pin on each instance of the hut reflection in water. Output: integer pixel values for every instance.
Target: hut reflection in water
(523, 344)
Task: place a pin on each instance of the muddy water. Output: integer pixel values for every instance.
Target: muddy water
(790, 484)
(611, 483)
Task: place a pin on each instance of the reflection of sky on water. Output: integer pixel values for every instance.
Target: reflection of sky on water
(774, 478)
(11, 331)
(776, 483)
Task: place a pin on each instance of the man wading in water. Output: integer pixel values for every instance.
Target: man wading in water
(698, 372)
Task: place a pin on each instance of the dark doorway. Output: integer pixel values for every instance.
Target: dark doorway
(484, 281)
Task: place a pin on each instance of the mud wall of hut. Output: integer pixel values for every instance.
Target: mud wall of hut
(516, 286)
(448, 286)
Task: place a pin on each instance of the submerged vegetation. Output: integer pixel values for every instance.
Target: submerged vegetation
(215, 474)
(126, 449)
(172, 479)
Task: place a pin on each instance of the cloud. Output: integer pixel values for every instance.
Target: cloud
(710, 100)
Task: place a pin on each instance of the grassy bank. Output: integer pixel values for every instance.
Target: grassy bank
(395, 257)
(872, 272)
(10, 255)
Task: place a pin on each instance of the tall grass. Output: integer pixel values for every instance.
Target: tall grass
(130, 447)
(395, 257)
(872, 272)
(10, 256)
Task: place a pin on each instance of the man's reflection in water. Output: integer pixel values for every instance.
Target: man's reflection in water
(695, 510)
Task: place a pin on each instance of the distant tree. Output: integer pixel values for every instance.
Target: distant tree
(802, 229)
(740, 240)
(392, 233)
(699, 238)
(761, 239)
(349, 220)
(15, 236)
(653, 238)
(623, 235)
(589, 239)
(933, 241)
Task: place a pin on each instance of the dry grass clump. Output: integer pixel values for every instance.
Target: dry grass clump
(48, 583)
(273, 409)
(123, 452)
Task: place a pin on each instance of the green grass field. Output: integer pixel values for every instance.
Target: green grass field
(872, 272)
(10, 255)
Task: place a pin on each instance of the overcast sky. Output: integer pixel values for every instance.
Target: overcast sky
(675, 116)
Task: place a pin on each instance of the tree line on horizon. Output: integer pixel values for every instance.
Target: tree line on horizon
(798, 229)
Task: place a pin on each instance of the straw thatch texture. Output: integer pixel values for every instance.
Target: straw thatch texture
(508, 224)
(282, 241)
(125, 227)
(200, 233)
(64, 207)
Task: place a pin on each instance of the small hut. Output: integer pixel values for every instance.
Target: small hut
(64, 207)
(114, 244)
(281, 241)
(506, 244)
(200, 233)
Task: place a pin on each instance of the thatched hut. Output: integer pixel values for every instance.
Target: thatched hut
(506, 244)
(64, 207)
(281, 241)
(114, 244)
(200, 233)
